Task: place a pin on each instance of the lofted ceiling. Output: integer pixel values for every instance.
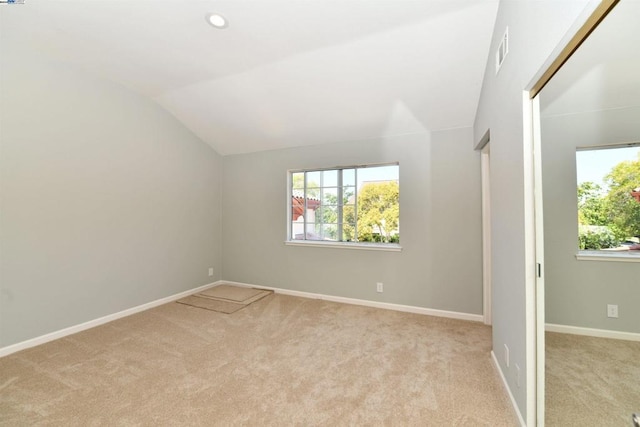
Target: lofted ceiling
(284, 73)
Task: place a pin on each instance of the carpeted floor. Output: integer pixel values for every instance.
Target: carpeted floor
(280, 361)
(591, 381)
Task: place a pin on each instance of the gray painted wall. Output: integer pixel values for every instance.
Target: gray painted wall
(577, 292)
(440, 266)
(535, 28)
(108, 202)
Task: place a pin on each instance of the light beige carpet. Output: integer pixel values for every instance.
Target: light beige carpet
(591, 381)
(284, 361)
(225, 298)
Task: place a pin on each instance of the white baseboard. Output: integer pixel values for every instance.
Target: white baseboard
(5, 351)
(600, 333)
(368, 303)
(514, 405)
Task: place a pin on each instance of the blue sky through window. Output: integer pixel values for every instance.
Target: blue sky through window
(594, 165)
(382, 173)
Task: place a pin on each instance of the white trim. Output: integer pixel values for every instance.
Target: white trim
(389, 247)
(600, 256)
(5, 351)
(590, 332)
(530, 268)
(486, 138)
(539, 248)
(485, 169)
(367, 303)
(514, 405)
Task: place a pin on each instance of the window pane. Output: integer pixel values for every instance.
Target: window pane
(297, 229)
(313, 179)
(330, 178)
(378, 174)
(329, 196)
(378, 211)
(313, 231)
(349, 232)
(297, 181)
(349, 214)
(297, 212)
(330, 231)
(327, 214)
(349, 177)
(349, 195)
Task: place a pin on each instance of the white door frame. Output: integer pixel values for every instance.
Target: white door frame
(539, 288)
(531, 245)
(485, 165)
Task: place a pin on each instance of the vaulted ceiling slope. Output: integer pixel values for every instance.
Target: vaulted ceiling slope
(284, 73)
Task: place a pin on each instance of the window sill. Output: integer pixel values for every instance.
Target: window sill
(388, 247)
(608, 256)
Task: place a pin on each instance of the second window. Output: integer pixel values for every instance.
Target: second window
(350, 204)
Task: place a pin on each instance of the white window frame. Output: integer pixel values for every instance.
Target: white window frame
(606, 255)
(392, 247)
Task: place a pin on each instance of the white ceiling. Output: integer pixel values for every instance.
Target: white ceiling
(284, 73)
(604, 73)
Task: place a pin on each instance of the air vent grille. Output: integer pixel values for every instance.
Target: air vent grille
(503, 49)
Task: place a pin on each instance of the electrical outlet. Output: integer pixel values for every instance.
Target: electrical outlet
(506, 355)
(612, 310)
(517, 374)
(379, 287)
(210, 271)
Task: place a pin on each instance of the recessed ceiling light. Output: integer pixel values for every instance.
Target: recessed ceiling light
(217, 20)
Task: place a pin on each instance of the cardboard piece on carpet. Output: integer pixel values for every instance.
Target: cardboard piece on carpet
(212, 304)
(232, 293)
(225, 298)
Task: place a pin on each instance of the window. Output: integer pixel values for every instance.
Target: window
(347, 204)
(609, 199)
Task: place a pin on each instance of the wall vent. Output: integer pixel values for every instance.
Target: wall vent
(503, 49)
